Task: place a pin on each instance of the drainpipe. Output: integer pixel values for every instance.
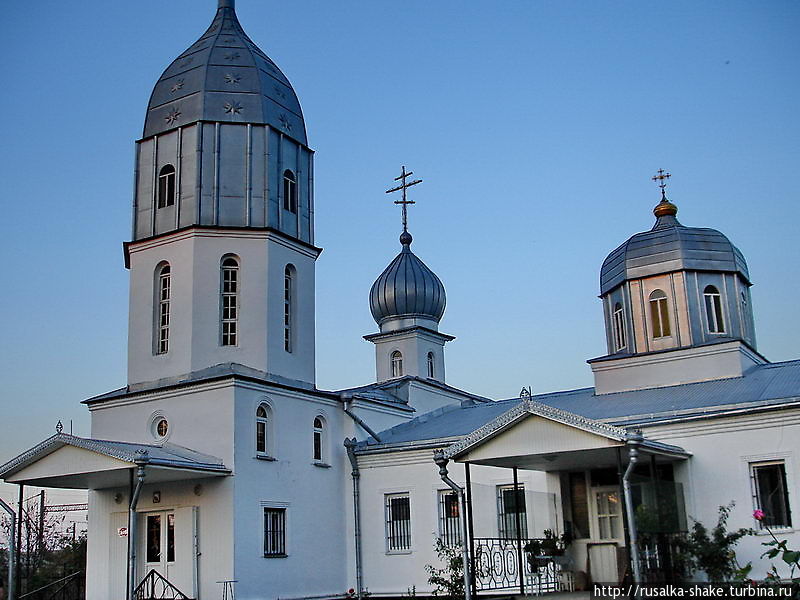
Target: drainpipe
(350, 445)
(140, 462)
(633, 441)
(347, 400)
(441, 461)
(11, 550)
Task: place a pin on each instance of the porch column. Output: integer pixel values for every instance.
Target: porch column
(521, 566)
(470, 531)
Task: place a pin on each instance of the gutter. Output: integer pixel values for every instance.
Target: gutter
(633, 441)
(441, 461)
(140, 464)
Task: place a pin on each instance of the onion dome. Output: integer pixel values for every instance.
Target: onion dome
(407, 288)
(224, 77)
(670, 246)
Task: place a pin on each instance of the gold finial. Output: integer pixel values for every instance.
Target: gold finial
(665, 207)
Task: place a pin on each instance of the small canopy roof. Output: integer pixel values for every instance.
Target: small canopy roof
(66, 461)
(539, 437)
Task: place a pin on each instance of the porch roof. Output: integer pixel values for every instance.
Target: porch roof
(67, 461)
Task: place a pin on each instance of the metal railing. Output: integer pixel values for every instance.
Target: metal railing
(497, 567)
(155, 587)
(71, 587)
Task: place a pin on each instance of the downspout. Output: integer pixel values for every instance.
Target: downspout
(347, 399)
(140, 464)
(11, 550)
(633, 441)
(441, 461)
(350, 445)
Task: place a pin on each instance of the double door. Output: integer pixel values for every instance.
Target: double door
(158, 550)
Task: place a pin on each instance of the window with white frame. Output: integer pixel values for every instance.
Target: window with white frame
(770, 493)
(166, 186)
(431, 366)
(510, 509)
(319, 432)
(289, 191)
(619, 327)
(713, 302)
(163, 298)
(229, 301)
(397, 363)
(659, 314)
(288, 308)
(449, 514)
(263, 426)
(398, 522)
(274, 532)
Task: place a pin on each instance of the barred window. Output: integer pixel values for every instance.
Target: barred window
(713, 302)
(449, 514)
(288, 308)
(289, 191)
(319, 427)
(397, 363)
(163, 298)
(166, 186)
(619, 327)
(659, 314)
(510, 503)
(274, 532)
(398, 523)
(229, 302)
(771, 494)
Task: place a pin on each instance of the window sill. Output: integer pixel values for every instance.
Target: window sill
(321, 465)
(276, 556)
(266, 457)
(776, 530)
(398, 552)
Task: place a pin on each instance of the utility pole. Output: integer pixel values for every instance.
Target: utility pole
(41, 523)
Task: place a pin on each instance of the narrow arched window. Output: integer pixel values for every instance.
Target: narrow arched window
(619, 327)
(713, 302)
(262, 430)
(745, 319)
(319, 427)
(397, 364)
(288, 308)
(166, 186)
(659, 314)
(229, 301)
(163, 295)
(431, 366)
(289, 191)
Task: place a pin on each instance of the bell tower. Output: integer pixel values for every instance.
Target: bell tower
(222, 252)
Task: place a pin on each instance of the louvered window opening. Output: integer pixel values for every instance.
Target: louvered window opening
(398, 523)
(449, 515)
(274, 532)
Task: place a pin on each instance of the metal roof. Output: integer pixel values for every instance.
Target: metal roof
(224, 77)
(670, 246)
(407, 288)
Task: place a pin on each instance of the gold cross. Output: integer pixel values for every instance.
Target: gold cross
(662, 179)
(404, 186)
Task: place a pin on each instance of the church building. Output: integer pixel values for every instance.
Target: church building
(220, 465)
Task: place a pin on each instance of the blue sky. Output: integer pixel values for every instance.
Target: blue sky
(535, 125)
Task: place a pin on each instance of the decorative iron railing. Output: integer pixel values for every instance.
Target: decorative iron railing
(155, 587)
(497, 567)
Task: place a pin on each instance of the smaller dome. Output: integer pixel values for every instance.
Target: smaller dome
(407, 288)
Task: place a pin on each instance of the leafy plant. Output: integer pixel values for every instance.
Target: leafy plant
(780, 548)
(448, 581)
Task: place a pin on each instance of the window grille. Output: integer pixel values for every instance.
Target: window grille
(288, 302)
(397, 364)
(713, 302)
(659, 314)
(274, 532)
(289, 191)
(166, 186)
(318, 428)
(449, 514)
(770, 493)
(398, 523)
(162, 313)
(431, 366)
(511, 502)
(262, 422)
(229, 301)
(619, 327)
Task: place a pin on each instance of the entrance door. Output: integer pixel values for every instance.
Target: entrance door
(168, 544)
(607, 533)
(159, 543)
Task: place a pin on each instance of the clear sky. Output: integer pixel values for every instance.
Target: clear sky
(535, 125)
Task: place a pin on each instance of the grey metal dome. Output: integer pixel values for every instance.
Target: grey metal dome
(224, 77)
(407, 288)
(670, 246)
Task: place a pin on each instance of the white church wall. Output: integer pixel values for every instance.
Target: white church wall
(719, 471)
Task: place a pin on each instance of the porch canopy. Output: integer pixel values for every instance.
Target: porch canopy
(538, 437)
(66, 461)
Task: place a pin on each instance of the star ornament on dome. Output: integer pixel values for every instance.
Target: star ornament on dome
(233, 78)
(285, 122)
(176, 86)
(233, 108)
(172, 115)
(232, 56)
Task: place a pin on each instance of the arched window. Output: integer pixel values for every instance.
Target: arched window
(745, 318)
(431, 366)
(229, 301)
(288, 308)
(163, 294)
(713, 303)
(319, 427)
(397, 364)
(263, 426)
(619, 327)
(289, 191)
(659, 314)
(166, 186)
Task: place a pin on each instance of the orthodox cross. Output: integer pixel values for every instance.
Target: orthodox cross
(404, 186)
(661, 178)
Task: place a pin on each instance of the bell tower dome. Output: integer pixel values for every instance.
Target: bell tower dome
(222, 251)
